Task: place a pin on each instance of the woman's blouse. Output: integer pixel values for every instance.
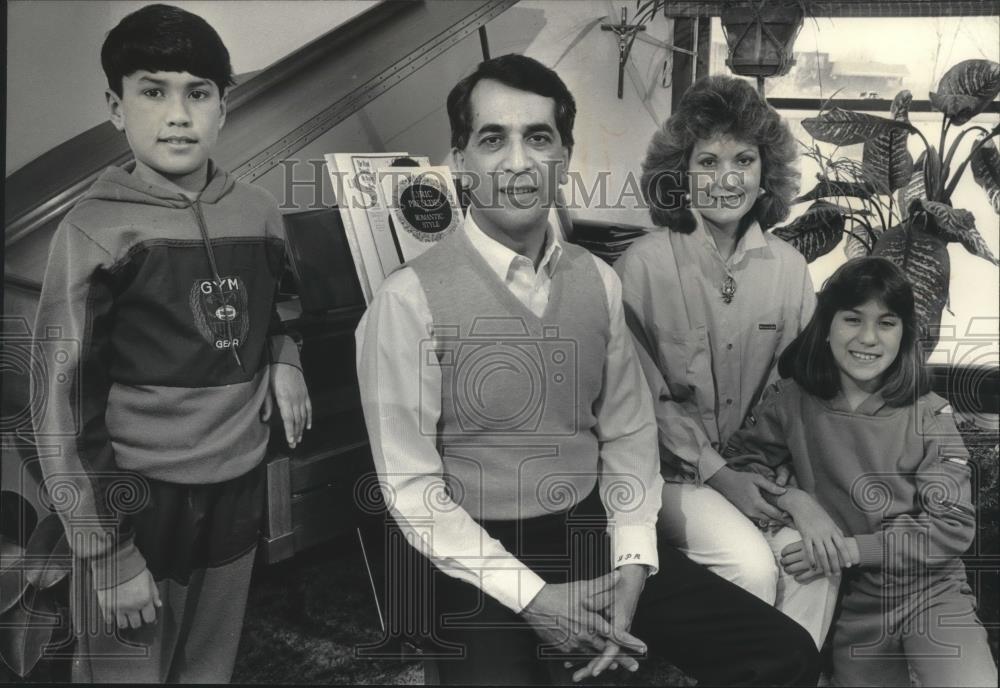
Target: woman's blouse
(708, 361)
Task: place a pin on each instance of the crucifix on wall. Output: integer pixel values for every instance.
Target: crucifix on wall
(628, 33)
(625, 32)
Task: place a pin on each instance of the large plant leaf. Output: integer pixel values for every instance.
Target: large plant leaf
(966, 89)
(954, 224)
(846, 127)
(932, 172)
(816, 231)
(48, 553)
(857, 237)
(27, 629)
(887, 163)
(913, 189)
(900, 108)
(985, 164)
(831, 188)
(13, 582)
(924, 260)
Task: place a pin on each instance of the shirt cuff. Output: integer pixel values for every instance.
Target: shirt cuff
(635, 545)
(284, 350)
(709, 464)
(119, 566)
(870, 549)
(514, 588)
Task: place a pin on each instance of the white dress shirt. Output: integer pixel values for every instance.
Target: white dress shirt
(400, 396)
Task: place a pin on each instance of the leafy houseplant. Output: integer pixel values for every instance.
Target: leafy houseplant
(891, 206)
(33, 579)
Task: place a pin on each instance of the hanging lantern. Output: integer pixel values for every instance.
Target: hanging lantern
(761, 36)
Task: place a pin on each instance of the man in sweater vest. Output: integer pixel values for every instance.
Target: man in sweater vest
(514, 436)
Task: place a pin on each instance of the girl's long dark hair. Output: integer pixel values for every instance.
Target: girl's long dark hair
(808, 359)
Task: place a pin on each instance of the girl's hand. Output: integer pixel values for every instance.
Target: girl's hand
(794, 562)
(823, 542)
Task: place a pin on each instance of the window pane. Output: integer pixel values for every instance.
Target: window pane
(866, 57)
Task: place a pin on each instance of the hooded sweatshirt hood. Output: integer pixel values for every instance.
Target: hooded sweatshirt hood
(120, 184)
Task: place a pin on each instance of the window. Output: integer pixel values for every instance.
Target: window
(867, 61)
(872, 58)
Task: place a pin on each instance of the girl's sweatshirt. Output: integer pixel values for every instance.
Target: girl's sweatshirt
(895, 478)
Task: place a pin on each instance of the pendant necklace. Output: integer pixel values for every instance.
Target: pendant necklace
(728, 289)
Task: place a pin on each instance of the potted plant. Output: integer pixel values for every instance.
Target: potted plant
(891, 206)
(761, 34)
(33, 592)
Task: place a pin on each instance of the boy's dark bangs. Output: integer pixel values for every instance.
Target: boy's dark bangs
(187, 56)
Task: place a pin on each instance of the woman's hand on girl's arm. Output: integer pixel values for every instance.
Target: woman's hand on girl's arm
(746, 491)
(824, 545)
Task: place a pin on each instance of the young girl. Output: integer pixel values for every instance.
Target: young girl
(885, 491)
(712, 300)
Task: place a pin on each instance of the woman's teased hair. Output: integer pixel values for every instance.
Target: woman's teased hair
(719, 105)
(808, 359)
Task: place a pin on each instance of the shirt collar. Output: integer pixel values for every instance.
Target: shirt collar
(869, 407)
(752, 240)
(502, 259)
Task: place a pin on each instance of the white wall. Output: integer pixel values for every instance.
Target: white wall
(55, 86)
(611, 135)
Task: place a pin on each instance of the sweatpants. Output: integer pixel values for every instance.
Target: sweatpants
(199, 542)
(709, 628)
(933, 634)
(700, 522)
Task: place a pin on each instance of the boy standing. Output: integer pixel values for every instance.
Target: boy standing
(165, 273)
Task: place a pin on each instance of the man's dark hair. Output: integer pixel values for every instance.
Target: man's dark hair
(162, 38)
(808, 358)
(516, 71)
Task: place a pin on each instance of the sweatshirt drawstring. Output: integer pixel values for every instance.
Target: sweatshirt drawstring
(196, 209)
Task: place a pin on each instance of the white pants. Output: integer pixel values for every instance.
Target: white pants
(711, 531)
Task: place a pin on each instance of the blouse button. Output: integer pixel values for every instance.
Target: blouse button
(729, 347)
(729, 402)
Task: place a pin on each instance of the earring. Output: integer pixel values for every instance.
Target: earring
(761, 192)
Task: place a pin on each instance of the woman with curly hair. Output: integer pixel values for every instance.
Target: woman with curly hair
(712, 300)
